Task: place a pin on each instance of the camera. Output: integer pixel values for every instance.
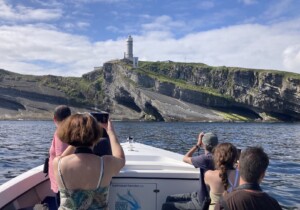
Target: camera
(101, 117)
(238, 153)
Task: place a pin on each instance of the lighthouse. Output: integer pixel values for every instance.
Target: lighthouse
(129, 53)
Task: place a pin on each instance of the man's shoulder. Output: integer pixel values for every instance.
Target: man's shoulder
(203, 161)
(239, 197)
(202, 157)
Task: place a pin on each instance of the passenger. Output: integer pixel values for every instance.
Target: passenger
(57, 146)
(103, 146)
(253, 164)
(225, 178)
(83, 177)
(196, 200)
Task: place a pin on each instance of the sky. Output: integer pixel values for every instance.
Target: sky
(71, 37)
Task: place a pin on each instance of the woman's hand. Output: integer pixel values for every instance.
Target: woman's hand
(108, 126)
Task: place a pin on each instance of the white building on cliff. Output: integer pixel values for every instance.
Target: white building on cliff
(129, 54)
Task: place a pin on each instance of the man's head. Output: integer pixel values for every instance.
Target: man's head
(61, 112)
(253, 164)
(209, 140)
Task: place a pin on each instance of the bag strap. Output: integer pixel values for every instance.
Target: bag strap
(223, 204)
(46, 167)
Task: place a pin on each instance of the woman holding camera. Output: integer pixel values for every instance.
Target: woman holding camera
(84, 178)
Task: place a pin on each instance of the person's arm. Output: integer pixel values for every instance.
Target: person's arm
(116, 149)
(60, 147)
(188, 156)
(55, 170)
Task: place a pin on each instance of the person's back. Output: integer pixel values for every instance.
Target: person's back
(195, 200)
(84, 177)
(57, 146)
(253, 164)
(249, 200)
(225, 178)
(84, 186)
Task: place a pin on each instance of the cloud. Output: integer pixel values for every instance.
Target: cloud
(205, 5)
(25, 14)
(43, 50)
(76, 25)
(248, 45)
(291, 58)
(113, 29)
(276, 10)
(57, 52)
(163, 23)
(98, 1)
(248, 2)
(38, 50)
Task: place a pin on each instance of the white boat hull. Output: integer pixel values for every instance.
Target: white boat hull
(150, 174)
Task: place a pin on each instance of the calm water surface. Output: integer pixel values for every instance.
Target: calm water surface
(25, 144)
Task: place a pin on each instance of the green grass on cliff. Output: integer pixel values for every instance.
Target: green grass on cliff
(167, 65)
(154, 70)
(80, 89)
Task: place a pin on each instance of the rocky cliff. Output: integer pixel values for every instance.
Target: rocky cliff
(165, 91)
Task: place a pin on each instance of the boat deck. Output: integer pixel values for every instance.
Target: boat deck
(150, 174)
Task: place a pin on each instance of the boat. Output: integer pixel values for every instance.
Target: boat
(149, 176)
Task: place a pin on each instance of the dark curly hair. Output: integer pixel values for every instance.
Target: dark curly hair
(225, 156)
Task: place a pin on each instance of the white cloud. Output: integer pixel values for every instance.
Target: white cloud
(113, 29)
(248, 2)
(95, 1)
(28, 44)
(40, 49)
(205, 5)
(291, 58)
(276, 10)
(24, 14)
(76, 25)
(250, 46)
(163, 23)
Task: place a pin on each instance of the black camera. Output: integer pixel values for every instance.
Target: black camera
(101, 117)
(238, 153)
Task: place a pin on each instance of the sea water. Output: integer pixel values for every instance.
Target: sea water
(25, 144)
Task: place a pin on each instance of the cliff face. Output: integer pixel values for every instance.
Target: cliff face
(159, 91)
(241, 93)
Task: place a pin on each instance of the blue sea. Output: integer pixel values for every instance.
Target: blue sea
(25, 144)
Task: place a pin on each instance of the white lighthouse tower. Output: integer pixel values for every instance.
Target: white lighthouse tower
(129, 53)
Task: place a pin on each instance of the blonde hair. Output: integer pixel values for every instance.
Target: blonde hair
(79, 130)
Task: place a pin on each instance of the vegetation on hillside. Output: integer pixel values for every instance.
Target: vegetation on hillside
(78, 89)
(161, 71)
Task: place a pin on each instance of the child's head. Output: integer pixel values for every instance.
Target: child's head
(61, 112)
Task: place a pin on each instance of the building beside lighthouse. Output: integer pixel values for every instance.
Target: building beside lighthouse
(129, 53)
